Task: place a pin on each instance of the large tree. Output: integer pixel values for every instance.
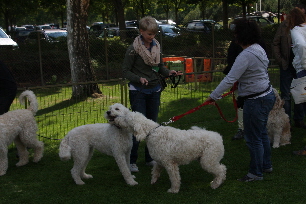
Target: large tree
(78, 48)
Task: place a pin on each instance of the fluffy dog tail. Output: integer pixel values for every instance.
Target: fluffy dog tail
(33, 107)
(65, 149)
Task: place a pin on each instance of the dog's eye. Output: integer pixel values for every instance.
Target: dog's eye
(117, 108)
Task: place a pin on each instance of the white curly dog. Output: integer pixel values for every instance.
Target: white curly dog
(108, 138)
(171, 147)
(278, 124)
(20, 126)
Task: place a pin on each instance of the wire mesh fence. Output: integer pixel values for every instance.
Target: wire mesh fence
(47, 63)
(58, 113)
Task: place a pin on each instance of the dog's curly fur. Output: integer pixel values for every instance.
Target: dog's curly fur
(107, 138)
(171, 147)
(20, 126)
(278, 124)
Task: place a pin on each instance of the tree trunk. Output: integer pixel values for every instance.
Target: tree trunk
(120, 11)
(225, 14)
(78, 48)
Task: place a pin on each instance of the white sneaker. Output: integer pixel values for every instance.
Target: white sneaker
(134, 168)
(151, 163)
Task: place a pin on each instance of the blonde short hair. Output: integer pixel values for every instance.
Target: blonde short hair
(148, 23)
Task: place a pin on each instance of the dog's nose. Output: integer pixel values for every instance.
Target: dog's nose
(108, 112)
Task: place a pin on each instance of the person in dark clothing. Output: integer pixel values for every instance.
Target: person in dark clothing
(8, 88)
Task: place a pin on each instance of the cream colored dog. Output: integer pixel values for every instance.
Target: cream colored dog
(108, 138)
(171, 147)
(20, 126)
(278, 123)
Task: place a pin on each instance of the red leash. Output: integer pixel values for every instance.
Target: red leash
(175, 118)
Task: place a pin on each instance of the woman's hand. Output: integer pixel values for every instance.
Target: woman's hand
(175, 73)
(143, 81)
(210, 100)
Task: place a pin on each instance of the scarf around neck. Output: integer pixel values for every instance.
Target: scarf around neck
(150, 58)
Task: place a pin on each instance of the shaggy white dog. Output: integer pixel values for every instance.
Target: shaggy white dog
(20, 126)
(107, 138)
(171, 147)
(278, 123)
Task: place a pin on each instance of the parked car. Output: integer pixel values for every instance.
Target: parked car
(48, 35)
(170, 22)
(19, 28)
(6, 41)
(131, 32)
(132, 23)
(202, 26)
(28, 27)
(169, 30)
(19, 36)
(262, 21)
(97, 29)
(43, 27)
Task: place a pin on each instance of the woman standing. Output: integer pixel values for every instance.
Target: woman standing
(141, 67)
(297, 25)
(254, 89)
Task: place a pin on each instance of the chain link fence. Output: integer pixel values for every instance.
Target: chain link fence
(45, 63)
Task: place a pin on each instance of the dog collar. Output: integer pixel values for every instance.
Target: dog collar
(152, 130)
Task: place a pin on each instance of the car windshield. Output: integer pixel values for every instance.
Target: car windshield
(2, 34)
(55, 35)
(170, 29)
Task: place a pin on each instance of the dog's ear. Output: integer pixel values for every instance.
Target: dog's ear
(139, 127)
(121, 122)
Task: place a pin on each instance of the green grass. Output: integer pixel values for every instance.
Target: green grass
(50, 181)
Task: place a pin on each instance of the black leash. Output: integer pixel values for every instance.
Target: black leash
(174, 84)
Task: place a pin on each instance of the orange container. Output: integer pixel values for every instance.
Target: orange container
(189, 69)
(169, 59)
(201, 77)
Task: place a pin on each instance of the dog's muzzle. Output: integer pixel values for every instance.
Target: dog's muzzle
(110, 117)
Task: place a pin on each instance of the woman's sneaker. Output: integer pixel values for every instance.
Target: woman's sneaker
(134, 168)
(249, 179)
(239, 135)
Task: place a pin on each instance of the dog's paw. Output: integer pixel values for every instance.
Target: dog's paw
(153, 180)
(2, 173)
(21, 163)
(275, 146)
(133, 176)
(80, 182)
(87, 176)
(170, 190)
(132, 183)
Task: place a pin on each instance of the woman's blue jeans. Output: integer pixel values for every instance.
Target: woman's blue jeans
(148, 105)
(255, 117)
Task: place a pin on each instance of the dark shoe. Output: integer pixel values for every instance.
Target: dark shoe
(249, 179)
(268, 170)
(300, 124)
(239, 135)
(300, 152)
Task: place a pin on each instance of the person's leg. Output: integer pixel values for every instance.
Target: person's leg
(153, 103)
(240, 132)
(256, 113)
(299, 115)
(137, 102)
(285, 83)
(6, 101)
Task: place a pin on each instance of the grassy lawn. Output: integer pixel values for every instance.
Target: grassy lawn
(50, 181)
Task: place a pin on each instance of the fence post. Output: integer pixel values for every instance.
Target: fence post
(40, 60)
(106, 53)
